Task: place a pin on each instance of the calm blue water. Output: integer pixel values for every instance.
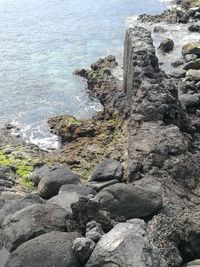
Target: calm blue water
(42, 42)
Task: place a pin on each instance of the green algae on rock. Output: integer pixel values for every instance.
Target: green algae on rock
(22, 161)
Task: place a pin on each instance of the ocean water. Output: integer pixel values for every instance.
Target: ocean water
(42, 42)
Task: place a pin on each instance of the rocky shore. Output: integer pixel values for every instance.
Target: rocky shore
(124, 188)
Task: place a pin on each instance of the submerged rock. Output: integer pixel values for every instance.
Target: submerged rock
(166, 45)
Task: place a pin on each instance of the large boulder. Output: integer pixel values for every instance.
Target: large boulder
(50, 184)
(108, 169)
(16, 205)
(32, 221)
(130, 201)
(126, 245)
(51, 249)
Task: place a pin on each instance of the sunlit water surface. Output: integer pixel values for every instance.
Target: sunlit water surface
(41, 44)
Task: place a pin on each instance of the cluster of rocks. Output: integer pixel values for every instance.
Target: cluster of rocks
(139, 205)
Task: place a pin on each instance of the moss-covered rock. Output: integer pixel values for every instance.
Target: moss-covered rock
(191, 48)
(22, 161)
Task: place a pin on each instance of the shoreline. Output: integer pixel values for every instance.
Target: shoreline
(130, 173)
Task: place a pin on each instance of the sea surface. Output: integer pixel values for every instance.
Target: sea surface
(42, 42)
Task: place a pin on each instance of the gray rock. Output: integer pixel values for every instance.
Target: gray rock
(194, 28)
(193, 10)
(50, 184)
(16, 205)
(51, 249)
(178, 73)
(98, 186)
(32, 221)
(108, 169)
(126, 245)
(195, 65)
(188, 223)
(65, 200)
(87, 209)
(130, 201)
(195, 263)
(83, 190)
(164, 235)
(166, 45)
(83, 248)
(197, 15)
(190, 101)
(193, 75)
(4, 255)
(94, 231)
(177, 63)
(191, 48)
(159, 29)
(39, 173)
(190, 57)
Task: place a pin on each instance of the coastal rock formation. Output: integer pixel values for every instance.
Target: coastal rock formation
(138, 160)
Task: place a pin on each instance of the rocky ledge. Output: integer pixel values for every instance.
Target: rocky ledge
(123, 190)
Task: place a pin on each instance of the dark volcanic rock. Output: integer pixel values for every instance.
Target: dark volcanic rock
(32, 221)
(98, 186)
(51, 249)
(87, 209)
(163, 233)
(83, 248)
(194, 28)
(94, 231)
(126, 245)
(130, 201)
(166, 45)
(81, 189)
(188, 223)
(192, 65)
(14, 206)
(108, 169)
(50, 184)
